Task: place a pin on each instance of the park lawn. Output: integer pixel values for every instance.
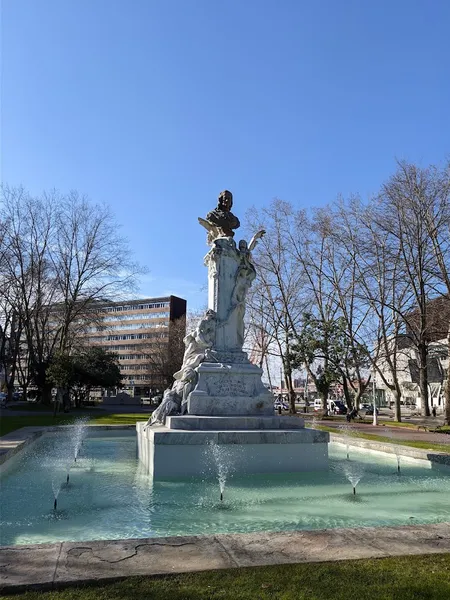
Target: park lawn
(31, 407)
(382, 421)
(119, 419)
(402, 578)
(8, 424)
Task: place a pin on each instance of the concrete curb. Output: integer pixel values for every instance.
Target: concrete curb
(54, 566)
(16, 440)
(431, 455)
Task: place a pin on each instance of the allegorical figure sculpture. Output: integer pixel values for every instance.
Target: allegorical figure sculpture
(245, 276)
(196, 344)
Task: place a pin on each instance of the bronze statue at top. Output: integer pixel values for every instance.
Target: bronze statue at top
(220, 222)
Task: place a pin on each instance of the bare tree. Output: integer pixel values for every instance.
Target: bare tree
(65, 258)
(164, 353)
(371, 295)
(341, 276)
(403, 207)
(278, 292)
(437, 221)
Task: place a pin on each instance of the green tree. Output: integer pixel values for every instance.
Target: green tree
(97, 367)
(324, 349)
(79, 373)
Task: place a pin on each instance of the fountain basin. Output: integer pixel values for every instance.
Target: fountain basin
(110, 495)
(171, 452)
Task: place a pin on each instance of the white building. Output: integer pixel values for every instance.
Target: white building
(408, 375)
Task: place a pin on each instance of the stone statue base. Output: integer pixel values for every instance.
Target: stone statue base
(229, 390)
(184, 446)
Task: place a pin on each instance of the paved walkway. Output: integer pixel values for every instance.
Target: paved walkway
(68, 563)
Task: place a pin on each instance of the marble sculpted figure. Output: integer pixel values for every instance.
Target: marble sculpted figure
(216, 343)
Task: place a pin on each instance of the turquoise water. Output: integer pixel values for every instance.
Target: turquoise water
(109, 497)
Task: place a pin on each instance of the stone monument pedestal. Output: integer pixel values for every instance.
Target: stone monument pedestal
(182, 448)
(230, 390)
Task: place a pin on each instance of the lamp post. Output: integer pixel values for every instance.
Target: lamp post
(375, 417)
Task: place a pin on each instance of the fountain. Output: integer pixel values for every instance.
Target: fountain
(218, 395)
(66, 453)
(80, 430)
(396, 448)
(347, 431)
(354, 473)
(223, 463)
(60, 462)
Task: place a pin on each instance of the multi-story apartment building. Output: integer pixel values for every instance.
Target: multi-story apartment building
(147, 337)
(407, 359)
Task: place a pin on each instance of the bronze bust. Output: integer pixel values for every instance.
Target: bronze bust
(222, 217)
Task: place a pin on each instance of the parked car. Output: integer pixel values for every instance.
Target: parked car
(3, 398)
(369, 411)
(364, 406)
(317, 404)
(337, 407)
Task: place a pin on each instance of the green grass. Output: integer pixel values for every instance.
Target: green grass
(8, 424)
(120, 419)
(397, 424)
(38, 407)
(30, 407)
(404, 578)
(381, 438)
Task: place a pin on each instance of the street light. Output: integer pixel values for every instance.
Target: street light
(375, 418)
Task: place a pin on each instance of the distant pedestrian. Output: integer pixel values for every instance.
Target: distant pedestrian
(433, 411)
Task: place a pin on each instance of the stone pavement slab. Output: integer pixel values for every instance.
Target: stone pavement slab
(28, 566)
(13, 442)
(69, 563)
(335, 544)
(123, 558)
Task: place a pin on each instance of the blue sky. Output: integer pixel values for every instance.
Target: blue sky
(155, 106)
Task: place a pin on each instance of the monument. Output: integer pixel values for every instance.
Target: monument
(218, 395)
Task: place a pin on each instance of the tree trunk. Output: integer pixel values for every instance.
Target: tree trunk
(347, 395)
(10, 388)
(324, 397)
(268, 374)
(447, 387)
(46, 395)
(290, 388)
(423, 378)
(66, 400)
(397, 406)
